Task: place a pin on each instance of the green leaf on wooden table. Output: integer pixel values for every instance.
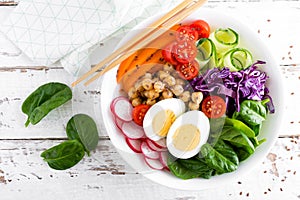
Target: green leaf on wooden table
(64, 155)
(83, 128)
(44, 99)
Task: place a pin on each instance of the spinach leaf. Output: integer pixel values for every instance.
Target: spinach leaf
(83, 128)
(43, 100)
(189, 168)
(240, 126)
(221, 157)
(216, 127)
(64, 155)
(242, 145)
(252, 112)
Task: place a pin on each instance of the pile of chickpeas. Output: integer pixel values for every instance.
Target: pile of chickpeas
(163, 84)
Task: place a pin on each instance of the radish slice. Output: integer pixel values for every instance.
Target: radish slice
(163, 158)
(154, 164)
(122, 108)
(132, 130)
(154, 147)
(119, 123)
(112, 104)
(149, 153)
(160, 143)
(134, 145)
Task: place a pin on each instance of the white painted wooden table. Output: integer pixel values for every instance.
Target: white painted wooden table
(104, 175)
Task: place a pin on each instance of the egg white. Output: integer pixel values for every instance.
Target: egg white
(196, 118)
(177, 106)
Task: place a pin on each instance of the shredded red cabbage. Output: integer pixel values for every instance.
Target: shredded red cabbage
(245, 84)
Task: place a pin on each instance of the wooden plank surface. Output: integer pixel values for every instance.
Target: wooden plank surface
(104, 175)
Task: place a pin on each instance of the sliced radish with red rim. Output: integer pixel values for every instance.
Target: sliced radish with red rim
(134, 145)
(122, 108)
(149, 153)
(153, 146)
(154, 164)
(163, 158)
(132, 130)
(160, 143)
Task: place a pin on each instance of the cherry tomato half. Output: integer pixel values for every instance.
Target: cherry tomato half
(188, 71)
(168, 53)
(185, 52)
(201, 27)
(213, 106)
(186, 34)
(139, 112)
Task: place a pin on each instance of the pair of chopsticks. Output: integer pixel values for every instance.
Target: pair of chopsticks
(157, 28)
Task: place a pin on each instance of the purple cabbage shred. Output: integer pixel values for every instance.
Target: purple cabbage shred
(238, 86)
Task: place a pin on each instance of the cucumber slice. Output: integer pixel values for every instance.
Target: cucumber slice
(206, 55)
(237, 59)
(224, 39)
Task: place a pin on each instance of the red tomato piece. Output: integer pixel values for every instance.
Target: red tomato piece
(186, 34)
(201, 27)
(139, 112)
(213, 106)
(185, 52)
(168, 53)
(188, 71)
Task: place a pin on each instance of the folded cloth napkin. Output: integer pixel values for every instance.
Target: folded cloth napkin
(67, 30)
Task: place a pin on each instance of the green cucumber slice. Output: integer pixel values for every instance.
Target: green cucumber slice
(206, 54)
(237, 59)
(224, 39)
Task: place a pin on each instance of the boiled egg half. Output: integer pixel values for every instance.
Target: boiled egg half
(187, 134)
(161, 116)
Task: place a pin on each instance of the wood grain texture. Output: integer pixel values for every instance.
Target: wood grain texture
(104, 175)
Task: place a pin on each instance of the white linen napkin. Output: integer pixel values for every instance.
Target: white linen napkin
(50, 31)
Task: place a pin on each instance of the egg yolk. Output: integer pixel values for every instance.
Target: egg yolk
(162, 122)
(186, 137)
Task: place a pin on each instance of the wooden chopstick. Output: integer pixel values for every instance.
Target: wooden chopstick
(164, 27)
(134, 40)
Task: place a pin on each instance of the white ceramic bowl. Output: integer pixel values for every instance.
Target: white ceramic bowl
(250, 40)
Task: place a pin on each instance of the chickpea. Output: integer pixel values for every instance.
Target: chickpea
(167, 94)
(170, 80)
(151, 94)
(132, 93)
(175, 74)
(185, 96)
(136, 101)
(148, 76)
(147, 84)
(180, 81)
(138, 86)
(194, 106)
(168, 68)
(197, 97)
(162, 75)
(159, 86)
(150, 102)
(177, 90)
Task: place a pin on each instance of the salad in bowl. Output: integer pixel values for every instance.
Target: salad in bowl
(198, 106)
